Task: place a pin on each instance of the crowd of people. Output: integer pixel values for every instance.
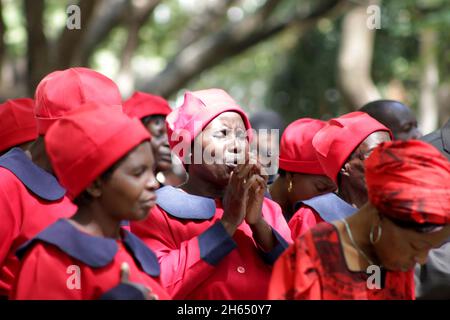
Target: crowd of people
(93, 206)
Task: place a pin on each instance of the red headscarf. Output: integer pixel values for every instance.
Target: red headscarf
(18, 124)
(409, 181)
(335, 142)
(102, 135)
(141, 105)
(197, 111)
(296, 151)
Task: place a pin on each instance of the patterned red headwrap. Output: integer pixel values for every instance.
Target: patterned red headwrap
(409, 181)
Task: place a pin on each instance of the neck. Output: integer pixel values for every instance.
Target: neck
(360, 225)
(352, 195)
(96, 221)
(279, 194)
(39, 156)
(199, 187)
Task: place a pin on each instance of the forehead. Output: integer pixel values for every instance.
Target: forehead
(141, 153)
(228, 119)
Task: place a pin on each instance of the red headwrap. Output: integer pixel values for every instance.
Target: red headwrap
(197, 111)
(296, 151)
(101, 136)
(62, 91)
(18, 124)
(409, 181)
(335, 142)
(142, 104)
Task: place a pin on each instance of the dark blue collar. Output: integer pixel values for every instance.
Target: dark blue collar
(96, 252)
(37, 180)
(183, 205)
(329, 206)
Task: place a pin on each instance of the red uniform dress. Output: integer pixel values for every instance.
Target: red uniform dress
(315, 268)
(62, 262)
(30, 200)
(328, 207)
(199, 260)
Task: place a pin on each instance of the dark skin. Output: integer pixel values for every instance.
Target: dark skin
(236, 178)
(399, 249)
(396, 116)
(36, 152)
(128, 194)
(160, 143)
(352, 184)
(304, 186)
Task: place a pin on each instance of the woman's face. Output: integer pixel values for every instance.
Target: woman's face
(160, 144)
(400, 249)
(224, 144)
(306, 186)
(130, 191)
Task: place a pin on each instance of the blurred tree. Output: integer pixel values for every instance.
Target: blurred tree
(208, 36)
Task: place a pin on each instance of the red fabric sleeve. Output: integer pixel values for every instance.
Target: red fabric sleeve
(273, 215)
(43, 276)
(294, 275)
(304, 219)
(182, 268)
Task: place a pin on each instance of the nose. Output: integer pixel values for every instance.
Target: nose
(165, 140)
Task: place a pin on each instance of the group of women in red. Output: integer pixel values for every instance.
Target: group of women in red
(84, 217)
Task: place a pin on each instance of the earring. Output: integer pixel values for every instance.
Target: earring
(371, 237)
(290, 186)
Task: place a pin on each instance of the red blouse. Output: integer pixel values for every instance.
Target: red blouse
(314, 268)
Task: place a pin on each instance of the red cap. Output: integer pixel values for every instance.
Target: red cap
(62, 91)
(142, 104)
(409, 181)
(335, 142)
(296, 151)
(18, 124)
(102, 136)
(197, 111)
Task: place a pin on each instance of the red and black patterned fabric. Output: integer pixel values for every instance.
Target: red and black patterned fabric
(314, 268)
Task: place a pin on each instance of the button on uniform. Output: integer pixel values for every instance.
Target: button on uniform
(241, 269)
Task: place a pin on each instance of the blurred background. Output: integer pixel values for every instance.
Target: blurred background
(316, 58)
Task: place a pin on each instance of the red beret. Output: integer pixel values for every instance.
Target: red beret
(335, 142)
(409, 181)
(62, 91)
(101, 136)
(197, 111)
(296, 151)
(18, 124)
(142, 104)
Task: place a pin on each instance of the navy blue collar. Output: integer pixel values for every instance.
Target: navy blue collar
(96, 252)
(37, 180)
(329, 206)
(183, 205)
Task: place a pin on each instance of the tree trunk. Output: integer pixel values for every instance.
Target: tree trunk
(70, 39)
(136, 18)
(428, 104)
(107, 15)
(355, 57)
(37, 47)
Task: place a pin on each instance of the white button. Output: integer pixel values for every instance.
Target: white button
(241, 269)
